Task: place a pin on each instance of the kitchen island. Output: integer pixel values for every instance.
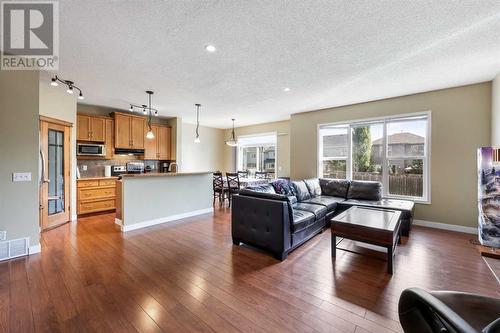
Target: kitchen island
(143, 200)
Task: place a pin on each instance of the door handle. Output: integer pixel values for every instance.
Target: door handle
(42, 178)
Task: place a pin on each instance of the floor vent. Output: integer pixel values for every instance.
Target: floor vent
(14, 248)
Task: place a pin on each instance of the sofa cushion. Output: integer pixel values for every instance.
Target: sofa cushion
(283, 186)
(301, 220)
(365, 190)
(292, 199)
(329, 202)
(318, 210)
(265, 188)
(263, 195)
(313, 186)
(334, 187)
(301, 191)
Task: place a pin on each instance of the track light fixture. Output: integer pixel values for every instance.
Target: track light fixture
(70, 84)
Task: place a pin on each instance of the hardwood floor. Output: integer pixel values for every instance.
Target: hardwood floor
(186, 276)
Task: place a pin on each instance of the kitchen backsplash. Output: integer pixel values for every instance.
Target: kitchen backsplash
(95, 168)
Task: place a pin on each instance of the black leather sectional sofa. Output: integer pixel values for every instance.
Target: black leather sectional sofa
(280, 216)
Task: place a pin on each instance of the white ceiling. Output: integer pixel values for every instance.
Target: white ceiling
(329, 53)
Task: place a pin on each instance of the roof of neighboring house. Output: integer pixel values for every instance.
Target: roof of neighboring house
(402, 138)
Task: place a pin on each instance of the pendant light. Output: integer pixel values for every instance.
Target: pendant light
(232, 142)
(197, 138)
(149, 135)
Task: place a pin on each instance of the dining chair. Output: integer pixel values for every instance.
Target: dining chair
(261, 174)
(219, 189)
(233, 184)
(243, 174)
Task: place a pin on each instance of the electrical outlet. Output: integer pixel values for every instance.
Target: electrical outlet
(21, 177)
(84, 167)
(3, 235)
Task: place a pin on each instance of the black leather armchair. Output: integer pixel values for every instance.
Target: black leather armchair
(448, 311)
(262, 220)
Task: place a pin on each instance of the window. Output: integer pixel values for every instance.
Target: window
(393, 151)
(334, 151)
(257, 153)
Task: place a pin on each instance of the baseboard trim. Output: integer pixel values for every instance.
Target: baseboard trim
(165, 219)
(444, 226)
(34, 249)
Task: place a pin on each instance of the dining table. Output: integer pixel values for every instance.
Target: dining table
(245, 182)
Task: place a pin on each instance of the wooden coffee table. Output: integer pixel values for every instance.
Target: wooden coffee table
(376, 226)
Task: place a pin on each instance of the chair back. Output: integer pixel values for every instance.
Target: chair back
(261, 174)
(218, 181)
(233, 180)
(243, 174)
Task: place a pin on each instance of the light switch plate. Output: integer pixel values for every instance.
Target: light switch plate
(3, 235)
(84, 167)
(21, 177)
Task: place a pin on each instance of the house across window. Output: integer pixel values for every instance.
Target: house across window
(257, 153)
(393, 151)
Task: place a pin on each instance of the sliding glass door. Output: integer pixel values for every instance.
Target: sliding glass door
(257, 154)
(394, 151)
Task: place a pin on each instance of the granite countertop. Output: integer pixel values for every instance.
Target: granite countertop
(96, 178)
(164, 174)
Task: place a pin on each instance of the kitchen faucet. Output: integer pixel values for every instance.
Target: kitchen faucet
(170, 166)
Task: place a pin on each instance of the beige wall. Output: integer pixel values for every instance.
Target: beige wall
(282, 128)
(56, 103)
(208, 155)
(460, 124)
(495, 111)
(19, 149)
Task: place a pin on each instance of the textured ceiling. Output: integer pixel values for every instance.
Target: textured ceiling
(329, 53)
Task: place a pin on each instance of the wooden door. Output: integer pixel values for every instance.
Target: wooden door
(164, 142)
(137, 132)
(97, 129)
(122, 131)
(83, 128)
(55, 193)
(151, 145)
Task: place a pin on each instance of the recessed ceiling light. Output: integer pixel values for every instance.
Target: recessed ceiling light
(210, 48)
(286, 89)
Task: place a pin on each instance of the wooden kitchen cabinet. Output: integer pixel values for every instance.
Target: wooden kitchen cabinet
(96, 194)
(110, 139)
(164, 142)
(159, 147)
(137, 132)
(151, 145)
(90, 128)
(129, 131)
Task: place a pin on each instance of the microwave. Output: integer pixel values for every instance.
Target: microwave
(90, 149)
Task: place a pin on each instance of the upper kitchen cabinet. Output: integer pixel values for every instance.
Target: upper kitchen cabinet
(129, 131)
(90, 128)
(164, 137)
(159, 147)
